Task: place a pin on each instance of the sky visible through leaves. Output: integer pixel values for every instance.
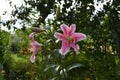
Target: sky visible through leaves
(7, 9)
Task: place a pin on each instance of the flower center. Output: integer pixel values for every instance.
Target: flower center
(70, 39)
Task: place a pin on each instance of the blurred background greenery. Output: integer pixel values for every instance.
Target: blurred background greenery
(99, 55)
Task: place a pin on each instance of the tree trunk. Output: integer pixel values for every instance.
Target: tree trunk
(115, 32)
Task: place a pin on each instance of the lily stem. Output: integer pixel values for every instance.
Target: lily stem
(65, 77)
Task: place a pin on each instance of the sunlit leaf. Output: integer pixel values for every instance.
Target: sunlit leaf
(73, 66)
(51, 66)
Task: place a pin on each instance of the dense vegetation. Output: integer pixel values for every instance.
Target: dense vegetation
(99, 54)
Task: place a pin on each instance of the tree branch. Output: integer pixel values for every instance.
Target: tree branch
(37, 30)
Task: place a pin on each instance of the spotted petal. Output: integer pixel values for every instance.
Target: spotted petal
(65, 48)
(75, 47)
(79, 36)
(59, 36)
(65, 29)
(72, 29)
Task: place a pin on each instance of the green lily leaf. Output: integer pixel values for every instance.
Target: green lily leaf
(51, 66)
(75, 65)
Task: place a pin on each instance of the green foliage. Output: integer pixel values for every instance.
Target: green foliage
(96, 60)
(4, 44)
(1, 77)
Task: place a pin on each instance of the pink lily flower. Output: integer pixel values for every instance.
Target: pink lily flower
(34, 46)
(69, 38)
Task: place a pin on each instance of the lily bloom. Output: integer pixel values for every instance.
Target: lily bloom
(69, 38)
(34, 46)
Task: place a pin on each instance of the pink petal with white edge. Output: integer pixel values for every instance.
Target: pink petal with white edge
(65, 29)
(72, 29)
(59, 36)
(79, 36)
(32, 36)
(32, 59)
(65, 48)
(75, 47)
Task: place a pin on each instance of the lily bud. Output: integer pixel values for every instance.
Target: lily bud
(58, 12)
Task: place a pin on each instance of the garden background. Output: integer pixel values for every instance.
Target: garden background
(99, 54)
